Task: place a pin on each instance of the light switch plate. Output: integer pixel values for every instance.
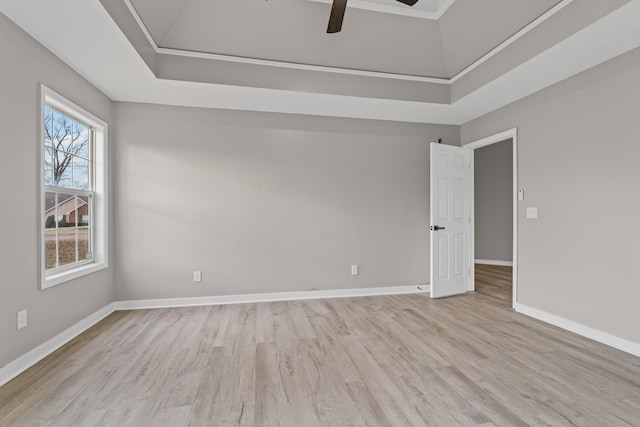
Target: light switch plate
(532, 213)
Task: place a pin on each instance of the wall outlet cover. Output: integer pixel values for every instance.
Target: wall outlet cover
(22, 319)
(197, 276)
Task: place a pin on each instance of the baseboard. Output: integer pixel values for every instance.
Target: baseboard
(277, 296)
(494, 262)
(21, 364)
(577, 328)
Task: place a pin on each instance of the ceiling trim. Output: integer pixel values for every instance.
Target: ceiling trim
(342, 70)
(272, 63)
(395, 10)
(299, 66)
(524, 30)
(117, 69)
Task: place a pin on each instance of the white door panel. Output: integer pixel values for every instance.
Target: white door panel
(450, 219)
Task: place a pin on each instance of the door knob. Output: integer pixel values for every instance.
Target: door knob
(436, 228)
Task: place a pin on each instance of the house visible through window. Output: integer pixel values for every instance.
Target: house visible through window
(73, 193)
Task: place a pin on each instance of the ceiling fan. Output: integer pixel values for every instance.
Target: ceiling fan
(337, 14)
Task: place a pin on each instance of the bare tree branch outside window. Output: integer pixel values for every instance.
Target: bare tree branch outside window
(66, 151)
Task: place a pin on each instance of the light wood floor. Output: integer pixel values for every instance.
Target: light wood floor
(376, 361)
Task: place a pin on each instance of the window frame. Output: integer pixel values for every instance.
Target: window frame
(98, 209)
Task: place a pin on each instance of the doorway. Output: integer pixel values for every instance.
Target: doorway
(493, 177)
(487, 255)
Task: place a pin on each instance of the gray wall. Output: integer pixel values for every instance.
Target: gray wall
(493, 182)
(578, 153)
(268, 203)
(25, 64)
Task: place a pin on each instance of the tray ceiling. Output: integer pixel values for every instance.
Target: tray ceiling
(294, 31)
(107, 44)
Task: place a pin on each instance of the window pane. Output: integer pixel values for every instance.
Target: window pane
(48, 123)
(80, 173)
(84, 227)
(48, 166)
(66, 246)
(62, 132)
(62, 170)
(50, 243)
(66, 151)
(49, 209)
(65, 205)
(68, 225)
(50, 249)
(80, 140)
(66, 214)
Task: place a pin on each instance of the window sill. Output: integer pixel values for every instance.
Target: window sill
(65, 276)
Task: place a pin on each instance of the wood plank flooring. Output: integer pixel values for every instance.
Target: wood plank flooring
(400, 360)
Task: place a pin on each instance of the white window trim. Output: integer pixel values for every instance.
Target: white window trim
(100, 179)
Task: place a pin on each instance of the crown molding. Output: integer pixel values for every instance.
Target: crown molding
(351, 71)
(117, 69)
(524, 30)
(271, 63)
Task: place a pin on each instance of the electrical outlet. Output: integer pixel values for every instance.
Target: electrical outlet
(22, 319)
(197, 276)
(354, 270)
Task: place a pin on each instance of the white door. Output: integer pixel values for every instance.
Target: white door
(450, 220)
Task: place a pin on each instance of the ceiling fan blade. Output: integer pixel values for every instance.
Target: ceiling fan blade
(337, 14)
(408, 2)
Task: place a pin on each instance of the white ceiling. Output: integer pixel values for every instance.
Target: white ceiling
(96, 47)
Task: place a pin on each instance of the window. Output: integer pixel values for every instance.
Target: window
(73, 201)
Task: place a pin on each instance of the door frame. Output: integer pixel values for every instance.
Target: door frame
(474, 145)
